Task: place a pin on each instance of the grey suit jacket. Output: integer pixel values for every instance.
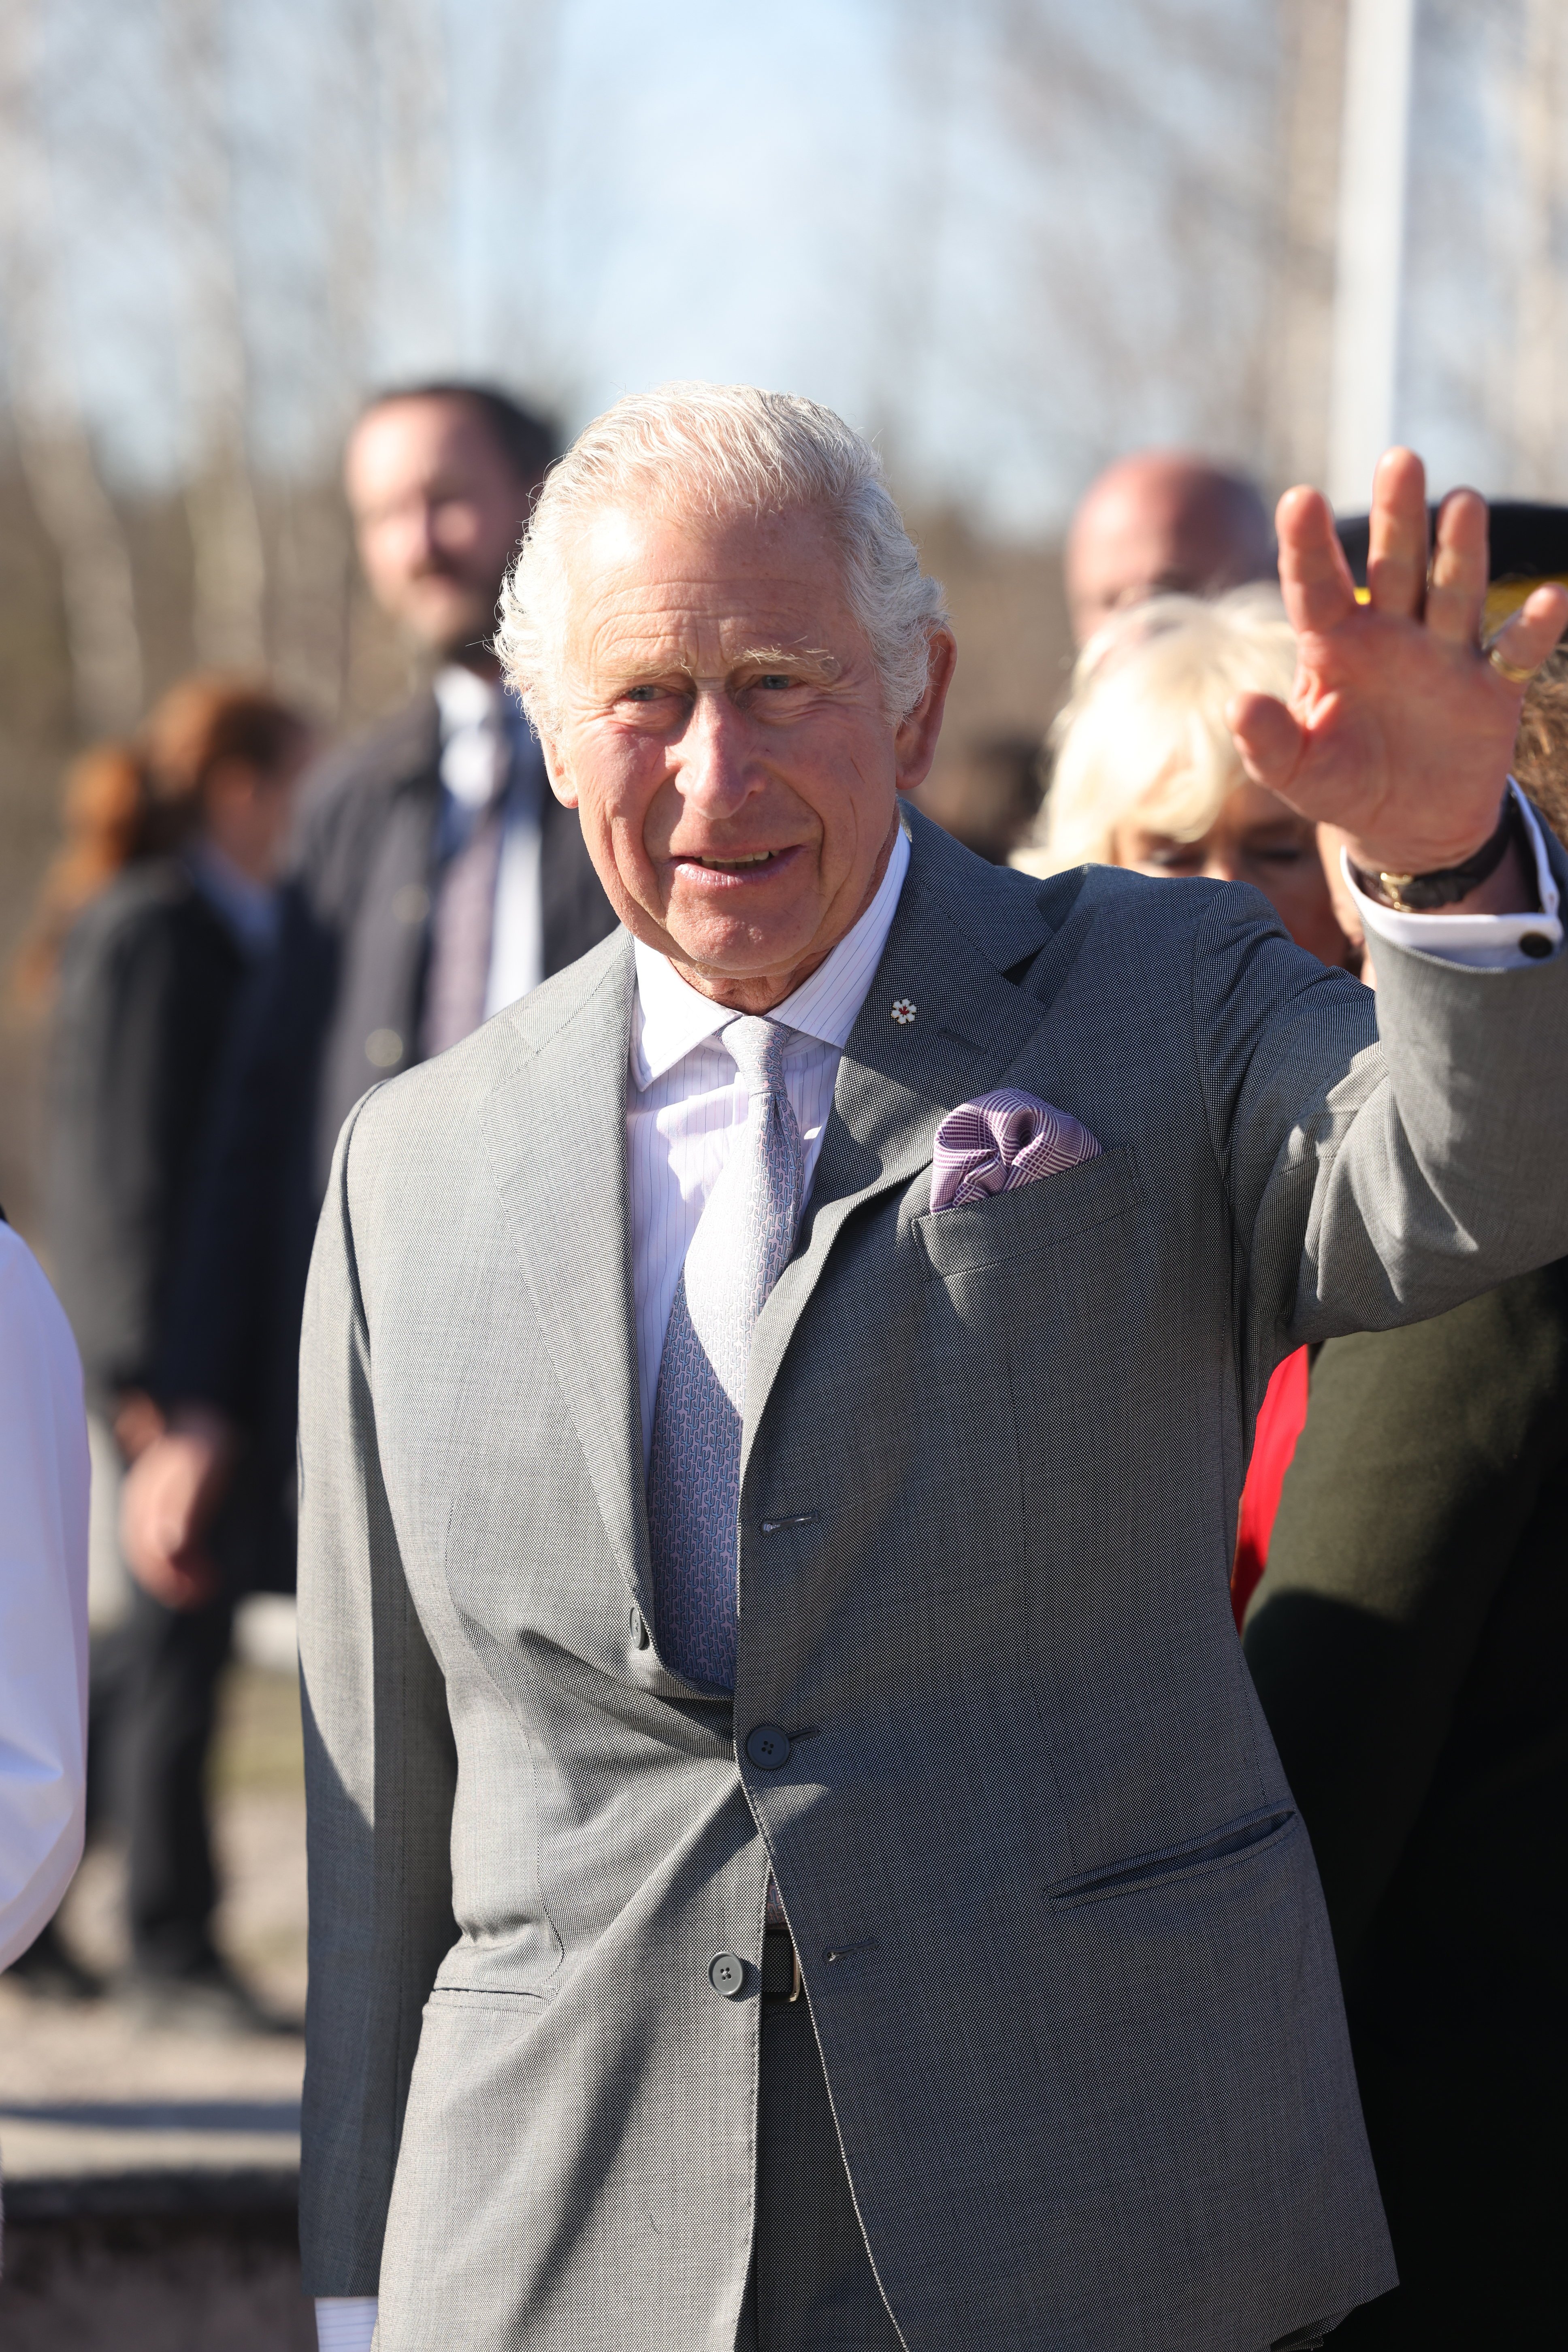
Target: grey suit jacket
(1060, 1927)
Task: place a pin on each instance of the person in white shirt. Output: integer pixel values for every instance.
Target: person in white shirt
(43, 1485)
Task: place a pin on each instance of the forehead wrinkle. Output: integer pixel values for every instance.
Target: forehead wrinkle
(630, 638)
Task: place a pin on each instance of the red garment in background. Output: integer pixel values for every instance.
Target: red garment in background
(1280, 1420)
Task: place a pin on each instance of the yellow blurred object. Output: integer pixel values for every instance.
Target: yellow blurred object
(1503, 597)
(1506, 596)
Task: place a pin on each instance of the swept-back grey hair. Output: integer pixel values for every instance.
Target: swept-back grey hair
(719, 449)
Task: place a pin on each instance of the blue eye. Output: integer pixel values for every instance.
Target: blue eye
(774, 680)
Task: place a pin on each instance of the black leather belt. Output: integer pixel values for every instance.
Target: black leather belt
(780, 1966)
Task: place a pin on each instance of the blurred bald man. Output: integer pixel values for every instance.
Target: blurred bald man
(1163, 520)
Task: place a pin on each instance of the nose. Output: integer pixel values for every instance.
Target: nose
(423, 538)
(716, 775)
(1222, 866)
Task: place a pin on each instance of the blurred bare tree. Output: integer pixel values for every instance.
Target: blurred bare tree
(228, 575)
(1540, 110)
(1309, 95)
(1139, 174)
(97, 588)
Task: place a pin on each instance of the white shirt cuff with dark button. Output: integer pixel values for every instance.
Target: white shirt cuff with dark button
(1485, 943)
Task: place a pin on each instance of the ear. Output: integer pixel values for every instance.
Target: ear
(555, 768)
(914, 745)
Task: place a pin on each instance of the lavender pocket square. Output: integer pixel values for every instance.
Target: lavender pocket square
(1003, 1140)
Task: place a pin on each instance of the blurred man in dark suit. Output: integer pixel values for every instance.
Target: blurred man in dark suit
(1408, 1642)
(434, 879)
(1158, 522)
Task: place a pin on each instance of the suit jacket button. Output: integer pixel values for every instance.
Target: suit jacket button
(767, 1747)
(638, 1630)
(727, 1975)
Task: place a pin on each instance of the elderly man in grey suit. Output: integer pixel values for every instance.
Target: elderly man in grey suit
(796, 1861)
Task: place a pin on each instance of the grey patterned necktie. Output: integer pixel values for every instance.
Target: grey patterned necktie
(742, 1246)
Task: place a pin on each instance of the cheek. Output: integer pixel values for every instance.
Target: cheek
(617, 782)
(849, 783)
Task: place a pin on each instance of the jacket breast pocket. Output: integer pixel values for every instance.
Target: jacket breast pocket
(1242, 1840)
(1038, 1216)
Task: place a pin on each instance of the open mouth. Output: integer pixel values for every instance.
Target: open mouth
(751, 862)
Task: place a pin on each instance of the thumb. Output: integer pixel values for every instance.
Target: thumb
(1269, 739)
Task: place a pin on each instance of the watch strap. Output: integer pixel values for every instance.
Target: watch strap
(1419, 893)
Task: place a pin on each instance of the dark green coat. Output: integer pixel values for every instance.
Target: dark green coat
(1410, 1647)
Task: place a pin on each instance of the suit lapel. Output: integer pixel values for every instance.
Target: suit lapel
(557, 1134)
(558, 1142)
(896, 1081)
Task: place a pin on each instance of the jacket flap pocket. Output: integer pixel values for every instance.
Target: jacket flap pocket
(1233, 1842)
(472, 2000)
(1035, 1217)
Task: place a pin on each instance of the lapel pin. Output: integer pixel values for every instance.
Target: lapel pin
(903, 1010)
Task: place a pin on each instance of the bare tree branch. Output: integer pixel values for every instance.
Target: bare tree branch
(1308, 106)
(229, 581)
(1540, 413)
(97, 584)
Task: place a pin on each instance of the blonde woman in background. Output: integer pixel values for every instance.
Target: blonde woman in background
(1145, 774)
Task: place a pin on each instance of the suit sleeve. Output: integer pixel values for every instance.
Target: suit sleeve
(114, 1207)
(241, 1269)
(1422, 1461)
(1385, 1159)
(380, 1774)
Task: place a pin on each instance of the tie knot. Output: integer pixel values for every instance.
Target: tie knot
(757, 1047)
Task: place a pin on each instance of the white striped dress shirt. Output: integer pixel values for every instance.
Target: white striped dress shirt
(685, 1102)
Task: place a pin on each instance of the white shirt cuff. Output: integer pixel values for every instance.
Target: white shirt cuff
(1484, 942)
(345, 2323)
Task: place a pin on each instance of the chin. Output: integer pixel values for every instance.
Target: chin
(735, 950)
(452, 634)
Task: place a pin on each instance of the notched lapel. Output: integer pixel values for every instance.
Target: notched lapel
(557, 1133)
(960, 925)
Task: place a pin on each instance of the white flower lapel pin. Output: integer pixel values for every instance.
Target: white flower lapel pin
(903, 1010)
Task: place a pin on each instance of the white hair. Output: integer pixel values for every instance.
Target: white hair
(721, 449)
(1144, 728)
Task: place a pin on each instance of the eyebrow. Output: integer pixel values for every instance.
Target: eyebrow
(814, 660)
(813, 663)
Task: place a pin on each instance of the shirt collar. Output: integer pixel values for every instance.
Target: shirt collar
(464, 699)
(672, 1018)
(249, 908)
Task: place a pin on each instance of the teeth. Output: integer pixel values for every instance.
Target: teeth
(728, 865)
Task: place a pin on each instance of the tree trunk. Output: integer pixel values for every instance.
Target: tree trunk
(97, 584)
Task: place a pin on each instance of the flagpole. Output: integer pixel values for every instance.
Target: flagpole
(1370, 243)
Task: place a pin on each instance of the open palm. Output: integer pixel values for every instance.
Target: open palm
(1398, 728)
